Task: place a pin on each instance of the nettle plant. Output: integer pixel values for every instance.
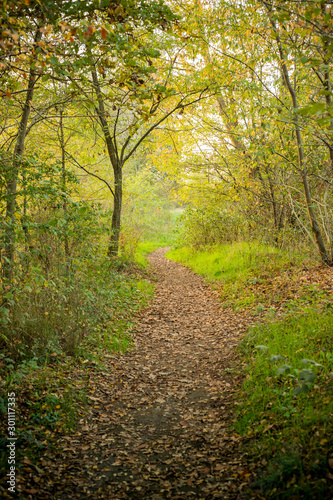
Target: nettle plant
(303, 379)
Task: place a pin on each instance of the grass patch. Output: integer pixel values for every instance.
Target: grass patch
(229, 262)
(146, 247)
(237, 269)
(286, 404)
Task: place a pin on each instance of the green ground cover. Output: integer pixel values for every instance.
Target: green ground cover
(286, 404)
(237, 267)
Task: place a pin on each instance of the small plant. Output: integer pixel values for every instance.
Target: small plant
(303, 379)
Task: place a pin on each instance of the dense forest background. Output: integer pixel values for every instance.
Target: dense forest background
(113, 113)
(125, 126)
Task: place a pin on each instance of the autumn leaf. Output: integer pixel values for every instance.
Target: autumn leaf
(104, 33)
(89, 31)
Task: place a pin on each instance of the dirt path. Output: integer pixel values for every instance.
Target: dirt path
(158, 429)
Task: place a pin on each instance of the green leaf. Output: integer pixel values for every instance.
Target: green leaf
(262, 348)
(313, 109)
(308, 375)
(310, 361)
(304, 59)
(276, 357)
(3, 337)
(301, 389)
(283, 369)
(307, 361)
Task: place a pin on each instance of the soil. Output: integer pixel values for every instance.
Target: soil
(160, 425)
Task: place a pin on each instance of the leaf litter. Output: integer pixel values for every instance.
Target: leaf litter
(161, 415)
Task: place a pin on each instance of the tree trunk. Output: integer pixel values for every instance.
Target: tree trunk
(327, 80)
(230, 126)
(274, 203)
(25, 226)
(64, 185)
(301, 157)
(117, 170)
(116, 216)
(11, 187)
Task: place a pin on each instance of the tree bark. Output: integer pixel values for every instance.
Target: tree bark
(274, 204)
(64, 184)
(116, 216)
(301, 157)
(327, 80)
(11, 187)
(117, 170)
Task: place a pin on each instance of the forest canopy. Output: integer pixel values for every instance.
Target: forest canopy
(112, 111)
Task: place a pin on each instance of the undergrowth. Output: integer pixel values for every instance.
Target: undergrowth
(242, 271)
(286, 404)
(56, 333)
(64, 316)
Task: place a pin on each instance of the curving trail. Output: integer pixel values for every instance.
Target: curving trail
(159, 426)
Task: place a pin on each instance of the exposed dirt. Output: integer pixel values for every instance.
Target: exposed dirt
(159, 424)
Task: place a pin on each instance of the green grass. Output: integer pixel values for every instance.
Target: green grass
(230, 262)
(289, 416)
(236, 266)
(306, 337)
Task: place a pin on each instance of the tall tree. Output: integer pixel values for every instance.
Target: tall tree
(31, 39)
(133, 87)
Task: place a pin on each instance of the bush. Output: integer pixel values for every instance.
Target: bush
(205, 227)
(54, 315)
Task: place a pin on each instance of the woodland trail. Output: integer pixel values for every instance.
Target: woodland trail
(159, 424)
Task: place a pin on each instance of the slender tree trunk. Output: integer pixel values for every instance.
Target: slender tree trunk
(328, 97)
(327, 80)
(273, 199)
(230, 126)
(11, 187)
(116, 216)
(301, 157)
(64, 184)
(25, 226)
(117, 170)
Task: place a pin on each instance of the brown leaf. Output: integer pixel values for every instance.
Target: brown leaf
(104, 33)
(89, 31)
